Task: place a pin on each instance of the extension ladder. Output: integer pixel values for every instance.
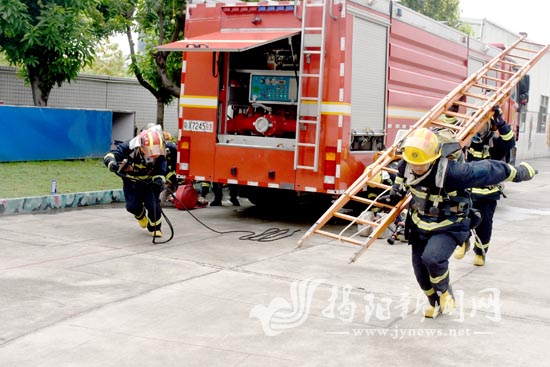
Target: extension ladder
(477, 95)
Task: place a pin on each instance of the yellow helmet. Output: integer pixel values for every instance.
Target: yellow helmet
(421, 147)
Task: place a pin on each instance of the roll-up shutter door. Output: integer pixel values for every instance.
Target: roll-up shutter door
(368, 95)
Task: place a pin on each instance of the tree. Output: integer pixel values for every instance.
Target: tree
(156, 22)
(447, 11)
(52, 40)
(109, 60)
(3, 60)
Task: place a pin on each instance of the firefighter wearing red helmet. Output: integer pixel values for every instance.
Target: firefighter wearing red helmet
(493, 141)
(440, 207)
(141, 162)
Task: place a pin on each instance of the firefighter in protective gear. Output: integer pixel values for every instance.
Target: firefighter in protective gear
(487, 145)
(141, 162)
(440, 208)
(449, 119)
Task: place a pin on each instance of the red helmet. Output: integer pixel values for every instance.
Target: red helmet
(151, 144)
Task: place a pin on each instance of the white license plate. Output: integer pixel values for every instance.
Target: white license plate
(195, 125)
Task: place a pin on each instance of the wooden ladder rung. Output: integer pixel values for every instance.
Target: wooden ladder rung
(493, 78)
(525, 49)
(379, 184)
(533, 43)
(370, 202)
(467, 105)
(486, 86)
(338, 237)
(502, 70)
(447, 126)
(457, 114)
(476, 95)
(389, 169)
(353, 219)
(519, 57)
(511, 63)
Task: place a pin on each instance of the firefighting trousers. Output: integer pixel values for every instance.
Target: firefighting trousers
(431, 253)
(487, 209)
(143, 199)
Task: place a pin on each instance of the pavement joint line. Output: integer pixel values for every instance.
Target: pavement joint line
(209, 346)
(213, 266)
(54, 260)
(70, 242)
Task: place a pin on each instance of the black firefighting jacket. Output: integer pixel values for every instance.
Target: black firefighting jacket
(492, 147)
(434, 208)
(136, 166)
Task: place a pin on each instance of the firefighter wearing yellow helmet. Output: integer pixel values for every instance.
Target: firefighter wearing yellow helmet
(440, 208)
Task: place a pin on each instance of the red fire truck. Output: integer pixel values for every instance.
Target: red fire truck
(288, 99)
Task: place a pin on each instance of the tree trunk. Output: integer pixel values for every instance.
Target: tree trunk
(39, 98)
(160, 113)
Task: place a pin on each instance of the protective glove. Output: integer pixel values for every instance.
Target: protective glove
(497, 121)
(525, 172)
(393, 197)
(158, 182)
(110, 162)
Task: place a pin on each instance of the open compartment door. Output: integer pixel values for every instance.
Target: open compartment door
(223, 41)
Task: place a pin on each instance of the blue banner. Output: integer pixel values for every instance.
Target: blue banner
(37, 134)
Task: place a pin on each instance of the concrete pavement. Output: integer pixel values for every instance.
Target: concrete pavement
(86, 287)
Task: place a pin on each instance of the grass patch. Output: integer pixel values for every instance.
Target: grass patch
(23, 179)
